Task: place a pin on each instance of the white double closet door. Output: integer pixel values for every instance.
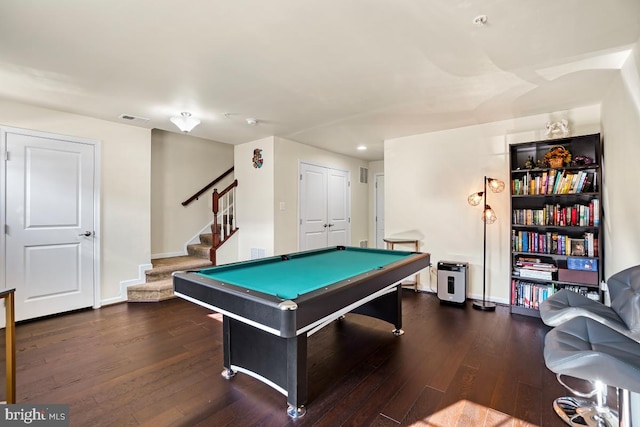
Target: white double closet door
(324, 207)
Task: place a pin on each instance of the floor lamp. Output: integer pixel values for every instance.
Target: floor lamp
(488, 217)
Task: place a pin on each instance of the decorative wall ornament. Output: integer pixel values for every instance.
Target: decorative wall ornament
(257, 158)
(559, 128)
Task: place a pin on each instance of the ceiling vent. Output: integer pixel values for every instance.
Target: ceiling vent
(133, 119)
(364, 175)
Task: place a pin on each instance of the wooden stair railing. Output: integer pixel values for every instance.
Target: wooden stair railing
(206, 187)
(224, 222)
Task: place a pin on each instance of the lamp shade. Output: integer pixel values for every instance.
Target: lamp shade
(185, 122)
(488, 215)
(475, 198)
(495, 185)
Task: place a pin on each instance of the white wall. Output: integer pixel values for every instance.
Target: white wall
(255, 193)
(125, 182)
(429, 177)
(621, 199)
(289, 154)
(180, 166)
(262, 192)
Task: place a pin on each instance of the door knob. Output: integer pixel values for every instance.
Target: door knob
(86, 234)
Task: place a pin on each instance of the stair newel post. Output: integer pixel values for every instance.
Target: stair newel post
(233, 218)
(223, 217)
(214, 229)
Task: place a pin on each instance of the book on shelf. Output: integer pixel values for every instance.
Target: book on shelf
(588, 183)
(552, 180)
(534, 274)
(538, 266)
(559, 178)
(580, 185)
(588, 243)
(567, 183)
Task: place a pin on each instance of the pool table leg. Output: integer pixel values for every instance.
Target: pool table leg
(228, 373)
(296, 375)
(397, 332)
(278, 361)
(387, 307)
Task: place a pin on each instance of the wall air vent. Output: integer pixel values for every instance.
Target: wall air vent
(364, 175)
(133, 119)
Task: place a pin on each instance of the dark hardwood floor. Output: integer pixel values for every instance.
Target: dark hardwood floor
(159, 364)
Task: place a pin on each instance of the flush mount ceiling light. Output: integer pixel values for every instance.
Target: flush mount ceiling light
(185, 122)
(362, 147)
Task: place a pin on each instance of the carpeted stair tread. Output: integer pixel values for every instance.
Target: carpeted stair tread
(178, 263)
(206, 239)
(163, 267)
(159, 283)
(151, 292)
(199, 250)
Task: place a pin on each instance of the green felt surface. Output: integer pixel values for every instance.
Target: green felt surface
(302, 274)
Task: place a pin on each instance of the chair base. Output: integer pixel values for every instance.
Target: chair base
(583, 412)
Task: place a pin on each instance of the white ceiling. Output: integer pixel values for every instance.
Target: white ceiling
(328, 73)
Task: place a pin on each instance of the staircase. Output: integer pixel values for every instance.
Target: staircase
(159, 283)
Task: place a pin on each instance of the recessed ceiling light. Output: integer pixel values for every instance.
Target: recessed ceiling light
(362, 147)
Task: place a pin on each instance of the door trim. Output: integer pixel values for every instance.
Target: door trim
(4, 130)
(375, 209)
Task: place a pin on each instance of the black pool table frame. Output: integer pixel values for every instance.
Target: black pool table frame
(266, 337)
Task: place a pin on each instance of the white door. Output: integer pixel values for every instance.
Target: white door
(379, 210)
(337, 208)
(313, 207)
(50, 229)
(324, 207)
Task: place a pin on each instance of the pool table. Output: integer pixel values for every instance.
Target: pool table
(270, 306)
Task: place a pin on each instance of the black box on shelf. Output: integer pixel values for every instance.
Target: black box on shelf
(578, 276)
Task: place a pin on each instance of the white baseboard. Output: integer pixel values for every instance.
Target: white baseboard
(122, 296)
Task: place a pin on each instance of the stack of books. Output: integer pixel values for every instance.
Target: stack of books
(535, 268)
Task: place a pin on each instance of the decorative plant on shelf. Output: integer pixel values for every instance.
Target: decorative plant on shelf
(581, 160)
(557, 156)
